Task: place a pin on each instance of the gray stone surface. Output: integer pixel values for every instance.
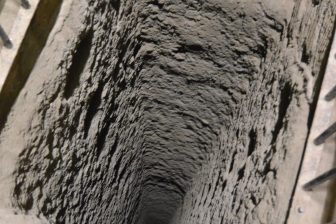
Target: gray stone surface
(151, 112)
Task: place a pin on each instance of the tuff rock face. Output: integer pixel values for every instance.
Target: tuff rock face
(165, 112)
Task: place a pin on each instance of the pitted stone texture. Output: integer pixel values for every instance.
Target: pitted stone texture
(165, 112)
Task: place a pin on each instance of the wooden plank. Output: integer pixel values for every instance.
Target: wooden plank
(8, 14)
(17, 32)
(316, 206)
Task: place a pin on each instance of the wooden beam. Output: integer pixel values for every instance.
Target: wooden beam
(15, 24)
(317, 205)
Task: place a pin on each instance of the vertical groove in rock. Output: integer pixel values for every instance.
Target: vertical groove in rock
(78, 62)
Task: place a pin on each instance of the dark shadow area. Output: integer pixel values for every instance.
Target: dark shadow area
(80, 57)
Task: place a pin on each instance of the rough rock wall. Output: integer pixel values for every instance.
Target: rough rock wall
(151, 112)
(250, 177)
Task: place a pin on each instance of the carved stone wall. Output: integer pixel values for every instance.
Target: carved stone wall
(151, 112)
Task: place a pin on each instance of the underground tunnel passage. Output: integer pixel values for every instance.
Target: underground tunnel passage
(163, 112)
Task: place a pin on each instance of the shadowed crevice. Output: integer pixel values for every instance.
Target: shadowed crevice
(80, 58)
